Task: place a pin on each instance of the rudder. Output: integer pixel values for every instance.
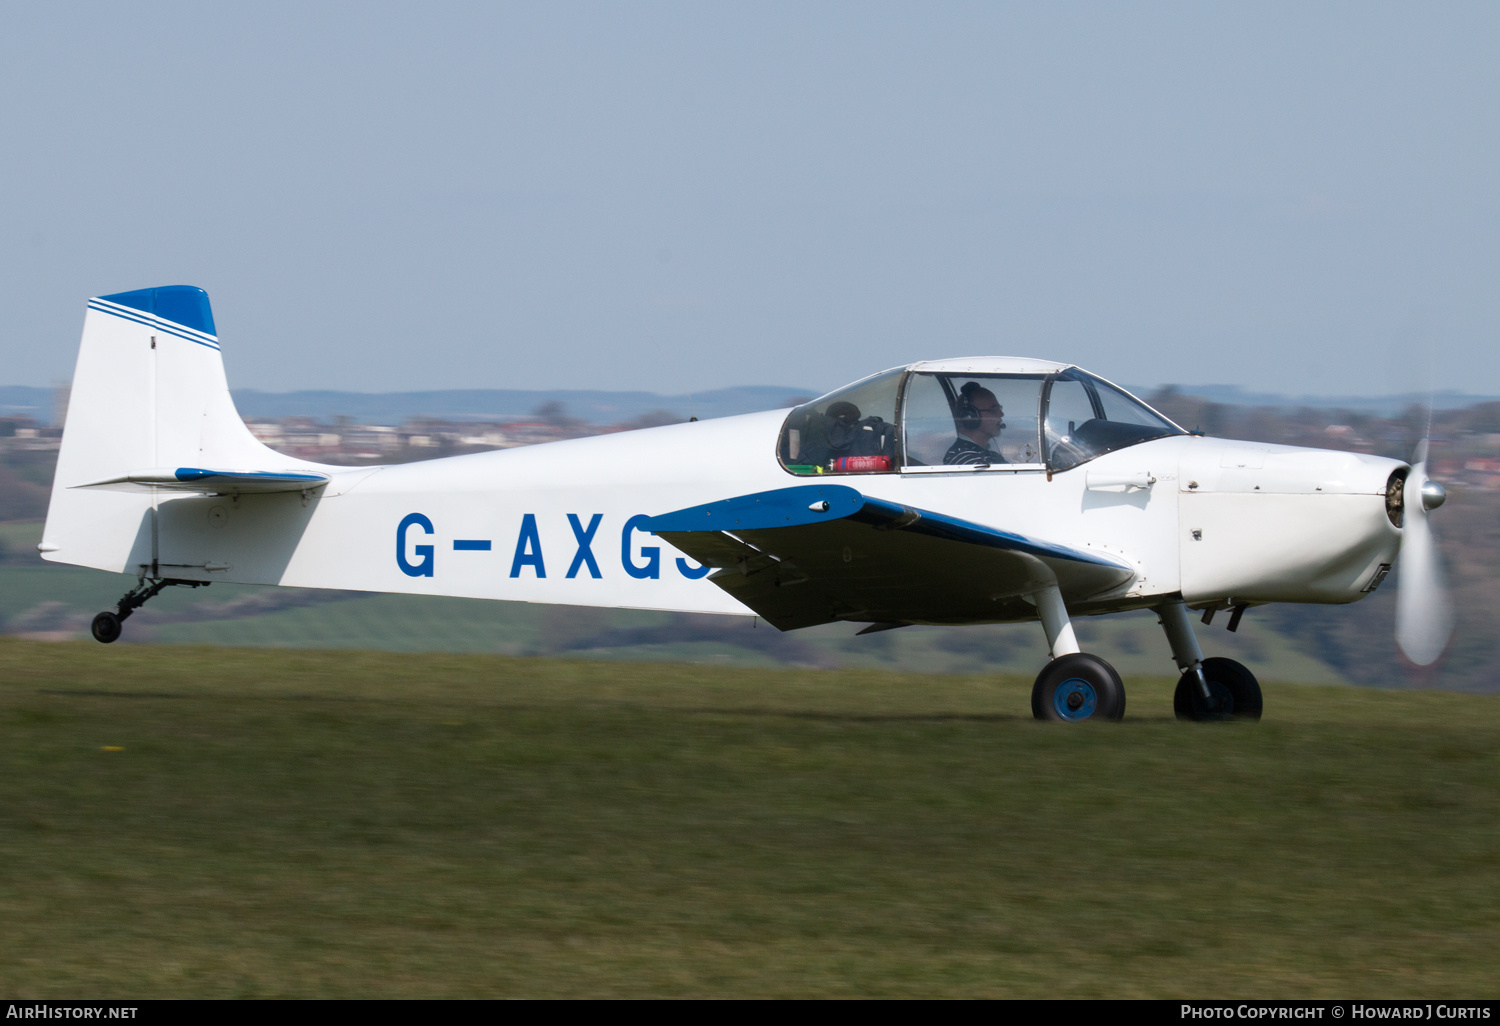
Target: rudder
(149, 392)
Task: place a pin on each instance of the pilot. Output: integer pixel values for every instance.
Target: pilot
(978, 417)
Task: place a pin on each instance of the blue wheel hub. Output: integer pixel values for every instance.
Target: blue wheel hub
(1075, 699)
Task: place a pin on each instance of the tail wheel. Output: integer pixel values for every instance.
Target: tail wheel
(1078, 687)
(1236, 693)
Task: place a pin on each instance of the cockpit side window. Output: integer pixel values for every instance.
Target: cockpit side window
(972, 419)
(1087, 417)
(851, 431)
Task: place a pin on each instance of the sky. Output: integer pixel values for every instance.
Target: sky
(1295, 198)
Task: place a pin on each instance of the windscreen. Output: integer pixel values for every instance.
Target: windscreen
(1087, 417)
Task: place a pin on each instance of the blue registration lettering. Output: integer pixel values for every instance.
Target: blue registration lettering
(528, 548)
(423, 566)
(692, 573)
(652, 569)
(585, 553)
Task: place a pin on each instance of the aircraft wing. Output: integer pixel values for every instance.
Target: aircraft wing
(212, 482)
(819, 553)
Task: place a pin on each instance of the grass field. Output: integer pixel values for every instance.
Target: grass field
(183, 821)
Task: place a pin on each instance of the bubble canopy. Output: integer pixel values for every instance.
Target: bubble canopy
(965, 416)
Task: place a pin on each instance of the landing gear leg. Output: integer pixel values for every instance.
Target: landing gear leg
(1053, 613)
(1074, 686)
(107, 625)
(1185, 650)
(1209, 689)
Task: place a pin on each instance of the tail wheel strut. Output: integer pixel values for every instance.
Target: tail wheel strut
(107, 625)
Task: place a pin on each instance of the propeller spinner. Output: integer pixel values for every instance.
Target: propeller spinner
(1424, 610)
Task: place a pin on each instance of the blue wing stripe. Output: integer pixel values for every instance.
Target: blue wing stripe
(812, 504)
(784, 507)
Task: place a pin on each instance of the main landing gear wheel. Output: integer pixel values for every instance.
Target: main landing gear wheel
(1078, 687)
(1236, 693)
(106, 627)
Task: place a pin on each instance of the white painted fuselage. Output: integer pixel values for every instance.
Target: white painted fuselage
(1218, 521)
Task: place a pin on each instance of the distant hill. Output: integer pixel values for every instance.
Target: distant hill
(25, 401)
(595, 407)
(603, 407)
(1380, 405)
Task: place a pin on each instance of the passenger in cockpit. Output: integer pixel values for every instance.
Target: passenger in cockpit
(978, 418)
(842, 427)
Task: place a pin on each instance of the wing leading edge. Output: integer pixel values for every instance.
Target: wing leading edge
(820, 553)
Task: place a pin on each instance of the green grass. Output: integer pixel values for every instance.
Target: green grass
(376, 824)
(1133, 642)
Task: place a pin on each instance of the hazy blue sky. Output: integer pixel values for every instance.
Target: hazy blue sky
(378, 196)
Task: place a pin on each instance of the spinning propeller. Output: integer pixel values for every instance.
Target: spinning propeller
(1424, 610)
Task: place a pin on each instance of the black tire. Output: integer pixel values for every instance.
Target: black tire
(106, 627)
(1078, 687)
(1236, 693)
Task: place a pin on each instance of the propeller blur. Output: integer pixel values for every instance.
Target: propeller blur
(1424, 609)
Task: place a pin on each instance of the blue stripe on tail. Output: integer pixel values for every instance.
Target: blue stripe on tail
(181, 304)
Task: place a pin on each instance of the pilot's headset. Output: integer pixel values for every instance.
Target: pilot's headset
(965, 415)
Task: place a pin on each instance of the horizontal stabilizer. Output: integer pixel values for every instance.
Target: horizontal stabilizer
(213, 482)
(820, 553)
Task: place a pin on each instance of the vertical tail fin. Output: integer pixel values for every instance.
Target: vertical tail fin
(149, 393)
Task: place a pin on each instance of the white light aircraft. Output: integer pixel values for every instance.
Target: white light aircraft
(966, 491)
